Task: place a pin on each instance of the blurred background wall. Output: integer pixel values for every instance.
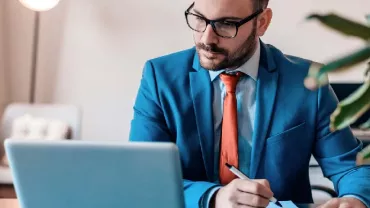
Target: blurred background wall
(2, 72)
(92, 51)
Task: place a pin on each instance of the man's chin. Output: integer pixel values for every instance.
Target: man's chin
(210, 64)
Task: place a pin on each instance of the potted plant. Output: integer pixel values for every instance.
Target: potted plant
(354, 106)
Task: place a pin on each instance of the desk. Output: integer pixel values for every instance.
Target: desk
(7, 191)
(13, 203)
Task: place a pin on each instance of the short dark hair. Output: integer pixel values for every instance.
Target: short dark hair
(260, 4)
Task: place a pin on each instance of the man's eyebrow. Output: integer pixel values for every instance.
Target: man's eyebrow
(196, 11)
(222, 18)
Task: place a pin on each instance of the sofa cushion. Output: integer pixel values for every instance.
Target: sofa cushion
(30, 127)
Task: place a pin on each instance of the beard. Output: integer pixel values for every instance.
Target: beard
(230, 60)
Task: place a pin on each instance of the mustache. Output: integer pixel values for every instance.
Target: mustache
(211, 48)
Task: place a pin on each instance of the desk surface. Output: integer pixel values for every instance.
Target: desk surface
(13, 203)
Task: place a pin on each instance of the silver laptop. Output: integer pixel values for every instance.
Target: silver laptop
(82, 174)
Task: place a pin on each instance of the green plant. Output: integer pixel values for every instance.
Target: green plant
(351, 108)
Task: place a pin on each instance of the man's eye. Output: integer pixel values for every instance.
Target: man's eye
(227, 23)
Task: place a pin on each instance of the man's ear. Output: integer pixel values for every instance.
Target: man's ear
(263, 21)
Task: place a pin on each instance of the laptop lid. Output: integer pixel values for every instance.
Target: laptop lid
(78, 174)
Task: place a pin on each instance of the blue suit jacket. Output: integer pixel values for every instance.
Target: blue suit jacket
(174, 105)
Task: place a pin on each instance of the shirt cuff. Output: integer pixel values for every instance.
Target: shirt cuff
(359, 198)
(208, 196)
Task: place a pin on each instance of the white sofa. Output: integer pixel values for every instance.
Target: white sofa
(67, 113)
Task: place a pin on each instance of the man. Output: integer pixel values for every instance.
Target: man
(236, 100)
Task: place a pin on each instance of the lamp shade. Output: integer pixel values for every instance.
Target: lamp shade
(39, 5)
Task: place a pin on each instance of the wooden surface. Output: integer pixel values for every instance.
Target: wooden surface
(7, 191)
(9, 203)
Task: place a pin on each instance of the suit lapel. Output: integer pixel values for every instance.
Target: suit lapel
(265, 98)
(201, 92)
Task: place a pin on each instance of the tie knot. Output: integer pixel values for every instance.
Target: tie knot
(230, 81)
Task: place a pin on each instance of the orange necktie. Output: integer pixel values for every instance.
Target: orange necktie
(229, 134)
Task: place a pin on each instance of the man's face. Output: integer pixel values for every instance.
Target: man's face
(215, 52)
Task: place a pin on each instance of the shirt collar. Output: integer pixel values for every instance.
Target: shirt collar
(250, 67)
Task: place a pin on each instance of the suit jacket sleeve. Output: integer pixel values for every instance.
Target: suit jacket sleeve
(336, 151)
(149, 124)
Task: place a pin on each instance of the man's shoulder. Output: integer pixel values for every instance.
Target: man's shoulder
(290, 64)
(180, 58)
(171, 69)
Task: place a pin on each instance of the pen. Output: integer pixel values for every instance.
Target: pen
(244, 177)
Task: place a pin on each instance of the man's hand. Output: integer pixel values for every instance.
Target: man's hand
(345, 202)
(244, 193)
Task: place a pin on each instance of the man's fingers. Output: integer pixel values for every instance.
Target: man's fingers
(333, 203)
(263, 182)
(242, 206)
(248, 199)
(254, 188)
(346, 205)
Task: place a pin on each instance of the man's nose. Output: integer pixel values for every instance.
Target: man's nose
(209, 36)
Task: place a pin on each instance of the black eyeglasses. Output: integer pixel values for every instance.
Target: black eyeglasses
(222, 27)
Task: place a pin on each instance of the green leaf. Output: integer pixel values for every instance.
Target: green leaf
(351, 108)
(365, 125)
(366, 153)
(363, 157)
(315, 79)
(367, 72)
(347, 61)
(343, 25)
(317, 74)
